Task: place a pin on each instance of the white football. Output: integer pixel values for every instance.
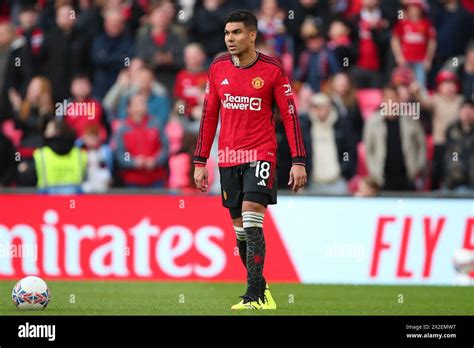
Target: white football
(463, 261)
(31, 293)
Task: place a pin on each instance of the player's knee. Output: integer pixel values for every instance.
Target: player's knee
(253, 207)
(237, 222)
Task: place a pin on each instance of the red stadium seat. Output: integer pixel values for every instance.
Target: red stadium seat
(361, 165)
(11, 132)
(369, 101)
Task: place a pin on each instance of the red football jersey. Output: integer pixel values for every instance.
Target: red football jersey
(245, 97)
(414, 37)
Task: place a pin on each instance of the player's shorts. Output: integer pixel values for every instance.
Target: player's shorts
(253, 177)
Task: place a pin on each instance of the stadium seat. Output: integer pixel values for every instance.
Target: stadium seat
(174, 131)
(179, 170)
(361, 165)
(369, 101)
(11, 132)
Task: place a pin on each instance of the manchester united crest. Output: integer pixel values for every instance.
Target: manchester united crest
(257, 82)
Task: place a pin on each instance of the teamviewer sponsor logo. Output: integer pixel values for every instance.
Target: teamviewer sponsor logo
(238, 102)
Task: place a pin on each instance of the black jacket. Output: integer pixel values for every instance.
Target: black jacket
(66, 55)
(8, 169)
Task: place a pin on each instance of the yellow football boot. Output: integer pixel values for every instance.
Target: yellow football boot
(269, 301)
(247, 303)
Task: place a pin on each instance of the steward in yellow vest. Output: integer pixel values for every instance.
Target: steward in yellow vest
(60, 166)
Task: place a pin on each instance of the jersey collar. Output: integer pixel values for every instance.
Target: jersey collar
(248, 65)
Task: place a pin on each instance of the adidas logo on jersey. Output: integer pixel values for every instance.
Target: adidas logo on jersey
(261, 183)
(225, 82)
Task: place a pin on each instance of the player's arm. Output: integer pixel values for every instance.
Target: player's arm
(207, 132)
(283, 96)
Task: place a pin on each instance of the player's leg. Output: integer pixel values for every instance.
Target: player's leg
(253, 212)
(241, 238)
(260, 190)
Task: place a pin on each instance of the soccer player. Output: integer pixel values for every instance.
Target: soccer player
(244, 85)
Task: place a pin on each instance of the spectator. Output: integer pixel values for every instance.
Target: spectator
(33, 35)
(454, 27)
(367, 187)
(66, 53)
(207, 25)
(341, 45)
(444, 105)
(373, 37)
(316, 62)
(33, 113)
(459, 157)
(8, 164)
(31, 116)
(467, 73)
(160, 47)
(331, 149)
(302, 10)
(99, 161)
(463, 66)
(82, 110)
(7, 35)
(127, 81)
(402, 78)
(111, 51)
(271, 27)
(344, 99)
(132, 11)
(88, 19)
(395, 147)
(60, 165)
(158, 106)
(414, 40)
(142, 149)
(191, 80)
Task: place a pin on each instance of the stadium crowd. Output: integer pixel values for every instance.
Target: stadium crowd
(97, 94)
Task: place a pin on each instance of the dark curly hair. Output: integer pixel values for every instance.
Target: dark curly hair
(243, 16)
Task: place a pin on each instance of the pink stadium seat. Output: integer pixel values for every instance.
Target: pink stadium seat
(429, 148)
(174, 131)
(12, 133)
(179, 171)
(361, 165)
(369, 101)
(353, 184)
(180, 165)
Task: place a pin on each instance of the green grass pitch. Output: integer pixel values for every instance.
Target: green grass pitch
(199, 298)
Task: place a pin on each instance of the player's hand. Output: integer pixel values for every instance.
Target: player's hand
(200, 178)
(297, 177)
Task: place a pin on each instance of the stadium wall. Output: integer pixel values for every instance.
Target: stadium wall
(171, 237)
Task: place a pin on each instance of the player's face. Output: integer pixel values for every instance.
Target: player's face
(238, 38)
